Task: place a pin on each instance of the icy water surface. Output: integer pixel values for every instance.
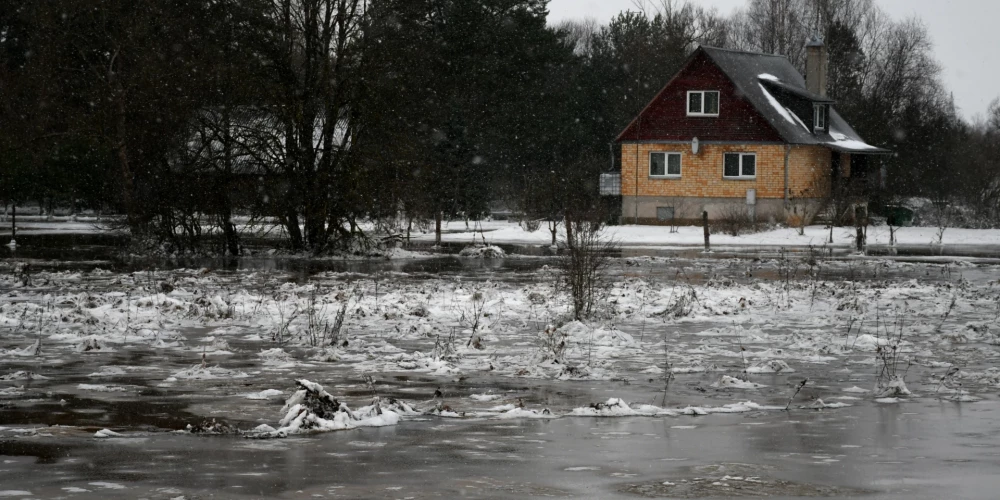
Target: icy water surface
(102, 372)
(919, 451)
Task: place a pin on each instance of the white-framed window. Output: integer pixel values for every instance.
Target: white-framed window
(664, 164)
(819, 117)
(703, 103)
(739, 166)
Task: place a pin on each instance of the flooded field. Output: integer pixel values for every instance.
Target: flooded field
(788, 377)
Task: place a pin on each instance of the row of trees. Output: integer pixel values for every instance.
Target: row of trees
(320, 114)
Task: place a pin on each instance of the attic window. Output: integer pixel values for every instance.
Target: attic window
(703, 103)
(819, 117)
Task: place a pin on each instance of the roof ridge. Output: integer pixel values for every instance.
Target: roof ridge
(747, 52)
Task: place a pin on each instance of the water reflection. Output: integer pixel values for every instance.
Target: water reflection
(883, 450)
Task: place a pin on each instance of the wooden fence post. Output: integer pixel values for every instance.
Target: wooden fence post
(704, 221)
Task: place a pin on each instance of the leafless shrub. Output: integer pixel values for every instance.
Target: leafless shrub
(472, 317)
(552, 344)
(588, 256)
(888, 350)
(735, 219)
(530, 225)
(444, 349)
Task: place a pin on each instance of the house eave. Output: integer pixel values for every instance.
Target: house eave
(860, 151)
(718, 143)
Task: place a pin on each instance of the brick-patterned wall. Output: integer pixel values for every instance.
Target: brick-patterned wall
(809, 172)
(701, 174)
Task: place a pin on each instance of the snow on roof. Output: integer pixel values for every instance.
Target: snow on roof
(783, 111)
(767, 81)
(799, 120)
(844, 143)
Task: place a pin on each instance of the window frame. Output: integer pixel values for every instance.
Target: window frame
(687, 103)
(666, 164)
(742, 176)
(819, 111)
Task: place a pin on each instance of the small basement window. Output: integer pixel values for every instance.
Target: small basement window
(703, 103)
(664, 164)
(819, 117)
(664, 213)
(739, 166)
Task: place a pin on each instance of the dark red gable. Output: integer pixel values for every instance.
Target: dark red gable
(665, 118)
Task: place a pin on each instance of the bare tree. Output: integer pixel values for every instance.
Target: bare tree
(314, 54)
(773, 27)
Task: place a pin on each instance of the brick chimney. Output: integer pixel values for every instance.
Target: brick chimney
(816, 65)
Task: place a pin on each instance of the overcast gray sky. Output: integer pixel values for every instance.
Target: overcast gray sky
(965, 34)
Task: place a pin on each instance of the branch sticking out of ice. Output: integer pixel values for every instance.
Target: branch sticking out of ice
(93, 345)
(312, 409)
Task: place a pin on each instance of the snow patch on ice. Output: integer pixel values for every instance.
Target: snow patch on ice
(107, 485)
(263, 395)
(483, 252)
(33, 350)
(485, 397)
(617, 407)
(893, 387)
(727, 382)
(277, 357)
(23, 375)
(771, 366)
(201, 372)
(100, 388)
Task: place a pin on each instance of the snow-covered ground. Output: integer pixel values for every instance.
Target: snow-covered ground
(502, 232)
(662, 237)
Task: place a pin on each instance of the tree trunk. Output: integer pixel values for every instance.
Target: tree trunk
(316, 234)
(294, 232)
(569, 231)
(128, 183)
(437, 227)
(232, 237)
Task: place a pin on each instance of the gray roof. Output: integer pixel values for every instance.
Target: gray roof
(770, 82)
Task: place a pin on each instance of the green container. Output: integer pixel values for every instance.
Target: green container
(898, 216)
